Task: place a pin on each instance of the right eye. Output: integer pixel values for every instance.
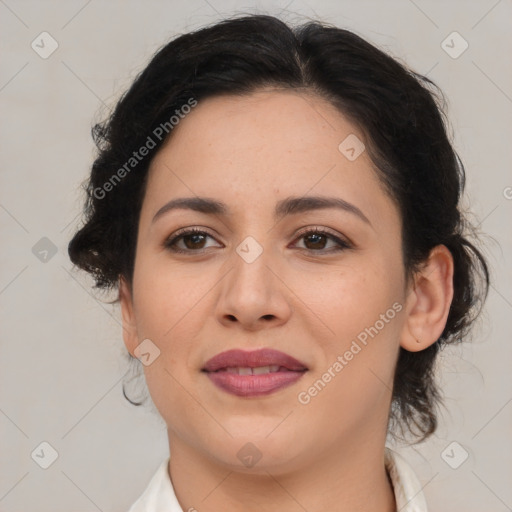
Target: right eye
(192, 238)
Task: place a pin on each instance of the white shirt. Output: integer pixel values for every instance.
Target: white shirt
(159, 495)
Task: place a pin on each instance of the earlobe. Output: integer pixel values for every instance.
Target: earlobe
(128, 317)
(429, 301)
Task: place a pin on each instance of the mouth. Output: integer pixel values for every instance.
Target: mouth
(253, 373)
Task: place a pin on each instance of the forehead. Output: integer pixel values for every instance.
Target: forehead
(261, 147)
(271, 122)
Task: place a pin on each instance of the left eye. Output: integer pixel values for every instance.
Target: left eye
(194, 240)
(318, 238)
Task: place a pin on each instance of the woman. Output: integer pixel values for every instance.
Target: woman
(278, 209)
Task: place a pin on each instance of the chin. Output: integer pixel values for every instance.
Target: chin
(260, 453)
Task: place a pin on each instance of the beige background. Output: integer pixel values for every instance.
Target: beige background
(62, 357)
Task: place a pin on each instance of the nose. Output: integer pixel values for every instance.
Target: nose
(253, 295)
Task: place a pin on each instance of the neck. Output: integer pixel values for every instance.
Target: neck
(351, 479)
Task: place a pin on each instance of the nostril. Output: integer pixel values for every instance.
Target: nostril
(268, 317)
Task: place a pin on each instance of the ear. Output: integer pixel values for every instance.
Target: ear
(428, 301)
(129, 326)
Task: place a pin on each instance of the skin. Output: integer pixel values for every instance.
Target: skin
(250, 152)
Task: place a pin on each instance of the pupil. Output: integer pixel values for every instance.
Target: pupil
(194, 240)
(317, 238)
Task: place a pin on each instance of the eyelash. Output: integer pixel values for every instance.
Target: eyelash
(171, 241)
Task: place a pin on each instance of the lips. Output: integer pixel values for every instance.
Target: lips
(253, 359)
(255, 373)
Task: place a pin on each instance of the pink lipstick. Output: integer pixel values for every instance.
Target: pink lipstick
(253, 373)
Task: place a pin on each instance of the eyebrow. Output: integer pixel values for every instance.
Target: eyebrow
(284, 207)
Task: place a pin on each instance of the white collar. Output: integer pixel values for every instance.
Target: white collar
(159, 495)
(409, 495)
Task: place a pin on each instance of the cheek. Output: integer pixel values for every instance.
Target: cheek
(354, 375)
(164, 298)
(360, 306)
(168, 312)
(351, 297)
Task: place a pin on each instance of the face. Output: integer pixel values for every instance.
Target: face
(247, 279)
